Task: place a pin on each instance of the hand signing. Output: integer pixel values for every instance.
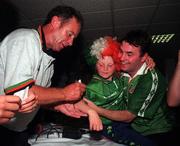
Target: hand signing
(74, 91)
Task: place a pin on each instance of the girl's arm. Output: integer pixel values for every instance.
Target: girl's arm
(95, 122)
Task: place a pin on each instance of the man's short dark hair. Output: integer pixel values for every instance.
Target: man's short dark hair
(139, 38)
(65, 12)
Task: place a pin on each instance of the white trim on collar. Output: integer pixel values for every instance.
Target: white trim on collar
(141, 71)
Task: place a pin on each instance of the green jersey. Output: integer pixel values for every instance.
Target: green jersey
(145, 96)
(105, 93)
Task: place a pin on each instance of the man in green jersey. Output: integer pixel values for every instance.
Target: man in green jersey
(144, 92)
(106, 90)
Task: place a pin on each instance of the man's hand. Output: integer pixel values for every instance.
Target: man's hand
(150, 62)
(74, 91)
(69, 110)
(9, 105)
(29, 104)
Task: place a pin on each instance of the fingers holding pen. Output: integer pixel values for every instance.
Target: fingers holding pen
(74, 91)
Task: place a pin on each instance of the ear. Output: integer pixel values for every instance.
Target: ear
(144, 57)
(56, 22)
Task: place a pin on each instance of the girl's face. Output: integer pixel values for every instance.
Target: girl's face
(105, 67)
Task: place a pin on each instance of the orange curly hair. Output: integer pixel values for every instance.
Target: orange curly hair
(112, 49)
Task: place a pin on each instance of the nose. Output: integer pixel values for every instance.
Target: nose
(105, 68)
